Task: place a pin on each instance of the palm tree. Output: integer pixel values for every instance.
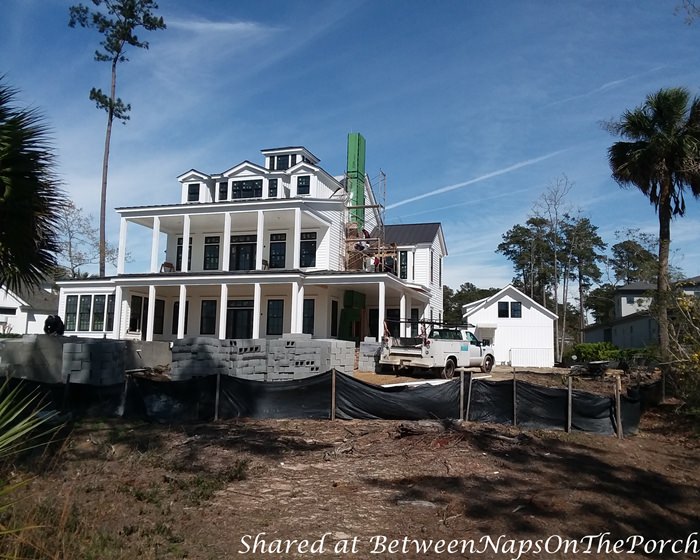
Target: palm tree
(662, 159)
(30, 197)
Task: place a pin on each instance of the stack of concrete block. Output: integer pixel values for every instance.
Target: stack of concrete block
(93, 362)
(37, 357)
(370, 351)
(199, 356)
(294, 356)
(248, 358)
(337, 354)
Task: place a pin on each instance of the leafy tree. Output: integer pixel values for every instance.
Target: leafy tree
(30, 196)
(454, 300)
(118, 22)
(601, 303)
(78, 242)
(633, 258)
(661, 157)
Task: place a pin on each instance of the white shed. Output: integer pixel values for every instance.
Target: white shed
(520, 329)
(26, 312)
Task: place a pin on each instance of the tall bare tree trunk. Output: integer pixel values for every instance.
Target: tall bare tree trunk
(105, 169)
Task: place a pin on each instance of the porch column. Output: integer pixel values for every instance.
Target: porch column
(226, 257)
(181, 309)
(151, 312)
(300, 309)
(402, 315)
(185, 243)
(382, 311)
(223, 309)
(116, 330)
(257, 297)
(121, 257)
(293, 313)
(296, 238)
(408, 326)
(259, 241)
(155, 241)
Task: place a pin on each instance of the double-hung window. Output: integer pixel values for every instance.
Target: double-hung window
(307, 249)
(84, 313)
(243, 251)
(304, 185)
(223, 191)
(247, 189)
(403, 265)
(278, 249)
(211, 253)
(308, 317)
(71, 312)
(275, 316)
(98, 313)
(178, 255)
(207, 324)
(193, 192)
(272, 188)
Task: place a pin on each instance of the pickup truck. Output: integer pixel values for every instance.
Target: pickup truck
(442, 351)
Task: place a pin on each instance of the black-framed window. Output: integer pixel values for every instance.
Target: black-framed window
(176, 315)
(272, 188)
(304, 184)
(211, 252)
(432, 266)
(84, 313)
(278, 250)
(403, 265)
(307, 319)
(207, 323)
(71, 312)
(503, 309)
(307, 249)
(159, 317)
(414, 321)
(193, 192)
(98, 313)
(275, 316)
(110, 313)
(178, 255)
(223, 191)
(516, 310)
(439, 271)
(334, 317)
(281, 163)
(252, 188)
(243, 252)
(136, 313)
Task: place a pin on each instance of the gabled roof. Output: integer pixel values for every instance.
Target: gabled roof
(291, 150)
(485, 302)
(636, 287)
(245, 165)
(193, 173)
(36, 299)
(412, 234)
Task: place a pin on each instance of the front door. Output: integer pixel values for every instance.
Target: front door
(239, 319)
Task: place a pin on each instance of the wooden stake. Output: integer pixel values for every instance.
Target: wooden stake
(569, 406)
(618, 406)
(333, 394)
(469, 398)
(515, 400)
(461, 395)
(216, 400)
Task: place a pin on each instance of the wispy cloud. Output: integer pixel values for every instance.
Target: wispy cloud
(479, 179)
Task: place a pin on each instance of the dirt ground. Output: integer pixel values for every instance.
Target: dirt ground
(359, 489)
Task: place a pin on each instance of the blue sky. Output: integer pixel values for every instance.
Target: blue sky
(471, 108)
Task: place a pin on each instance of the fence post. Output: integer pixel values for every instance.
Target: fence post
(461, 395)
(618, 407)
(515, 399)
(569, 406)
(469, 398)
(216, 399)
(333, 394)
(66, 394)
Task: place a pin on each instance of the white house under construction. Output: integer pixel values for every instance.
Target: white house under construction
(262, 250)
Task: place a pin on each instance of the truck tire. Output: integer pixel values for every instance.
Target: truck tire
(448, 371)
(487, 366)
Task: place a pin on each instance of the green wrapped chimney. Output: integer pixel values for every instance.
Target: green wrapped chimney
(356, 177)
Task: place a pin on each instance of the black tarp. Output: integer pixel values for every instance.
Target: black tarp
(541, 407)
(491, 401)
(356, 399)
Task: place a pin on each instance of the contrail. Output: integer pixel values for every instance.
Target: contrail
(477, 179)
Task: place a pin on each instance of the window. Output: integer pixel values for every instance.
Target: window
(503, 309)
(193, 192)
(207, 323)
(307, 320)
(334, 317)
(211, 253)
(178, 255)
(176, 315)
(278, 249)
(403, 265)
(439, 271)
(275, 316)
(630, 300)
(136, 313)
(110, 313)
(223, 191)
(84, 313)
(98, 313)
(71, 312)
(432, 267)
(303, 185)
(243, 251)
(247, 189)
(516, 310)
(272, 188)
(281, 163)
(414, 321)
(8, 311)
(159, 317)
(307, 249)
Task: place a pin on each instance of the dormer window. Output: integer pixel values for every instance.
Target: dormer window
(281, 163)
(272, 188)
(247, 189)
(223, 191)
(303, 185)
(193, 192)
